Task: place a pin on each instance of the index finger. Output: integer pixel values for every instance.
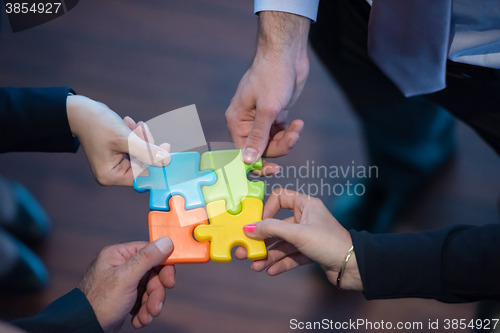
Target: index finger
(258, 138)
(283, 198)
(167, 276)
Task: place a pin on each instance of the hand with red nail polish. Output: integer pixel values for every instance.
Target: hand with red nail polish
(250, 228)
(311, 235)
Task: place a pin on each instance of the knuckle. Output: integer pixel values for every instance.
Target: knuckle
(121, 143)
(142, 255)
(270, 108)
(316, 201)
(104, 181)
(102, 177)
(276, 191)
(229, 112)
(134, 261)
(105, 250)
(258, 134)
(266, 226)
(105, 253)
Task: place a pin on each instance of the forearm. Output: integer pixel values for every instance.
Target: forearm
(282, 34)
(71, 313)
(457, 264)
(351, 278)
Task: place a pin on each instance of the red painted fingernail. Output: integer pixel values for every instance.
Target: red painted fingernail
(250, 228)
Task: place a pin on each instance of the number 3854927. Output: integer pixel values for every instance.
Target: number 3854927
(35, 8)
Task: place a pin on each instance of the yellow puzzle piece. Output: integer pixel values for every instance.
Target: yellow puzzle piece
(226, 230)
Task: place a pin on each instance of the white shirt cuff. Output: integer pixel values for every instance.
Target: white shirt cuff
(306, 8)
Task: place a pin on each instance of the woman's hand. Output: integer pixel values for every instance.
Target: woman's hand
(311, 235)
(107, 140)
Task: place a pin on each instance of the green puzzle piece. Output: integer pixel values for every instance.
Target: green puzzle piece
(232, 184)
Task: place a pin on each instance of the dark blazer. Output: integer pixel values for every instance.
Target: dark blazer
(71, 313)
(457, 264)
(35, 119)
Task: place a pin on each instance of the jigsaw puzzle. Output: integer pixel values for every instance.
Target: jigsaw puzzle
(180, 189)
(180, 177)
(226, 230)
(232, 184)
(178, 224)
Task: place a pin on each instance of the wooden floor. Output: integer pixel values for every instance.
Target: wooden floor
(143, 58)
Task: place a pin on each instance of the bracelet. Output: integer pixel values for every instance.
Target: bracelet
(342, 267)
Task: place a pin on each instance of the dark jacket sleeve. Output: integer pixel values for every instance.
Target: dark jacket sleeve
(35, 120)
(457, 264)
(71, 313)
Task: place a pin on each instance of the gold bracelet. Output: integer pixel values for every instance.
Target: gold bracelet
(342, 267)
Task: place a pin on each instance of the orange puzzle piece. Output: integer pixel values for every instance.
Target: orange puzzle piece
(179, 224)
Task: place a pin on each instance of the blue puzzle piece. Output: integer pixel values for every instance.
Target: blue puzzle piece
(180, 177)
(156, 183)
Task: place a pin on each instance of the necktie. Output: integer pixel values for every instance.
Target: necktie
(408, 40)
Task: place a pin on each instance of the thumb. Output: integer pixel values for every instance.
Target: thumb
(146, 152)
(148, 257)
(273, 228)
(258, 138)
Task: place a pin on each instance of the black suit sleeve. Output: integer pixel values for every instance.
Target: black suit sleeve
(458, 264)
(71, 313)
(35, 119)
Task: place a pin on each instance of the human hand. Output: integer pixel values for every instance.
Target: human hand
(107, 139)
(311, 235)
(126, 278)
(258, 112)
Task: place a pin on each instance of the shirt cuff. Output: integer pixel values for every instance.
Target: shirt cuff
(306, 8)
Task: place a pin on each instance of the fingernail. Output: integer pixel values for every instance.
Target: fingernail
(160, 306)
(150, 318)
(249, 155)
(164, 244)
(161, 155)
(166, 146)
(250, 228)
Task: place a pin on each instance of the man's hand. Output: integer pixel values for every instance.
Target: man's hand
(107, 139)
(312, 234)
(126, 278)
(258, 112)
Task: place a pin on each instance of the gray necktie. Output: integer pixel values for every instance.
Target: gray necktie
(408, 40)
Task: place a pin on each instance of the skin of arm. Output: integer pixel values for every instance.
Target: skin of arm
(108, 140)
(126, 278)
(258, 112)
(312, 234)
